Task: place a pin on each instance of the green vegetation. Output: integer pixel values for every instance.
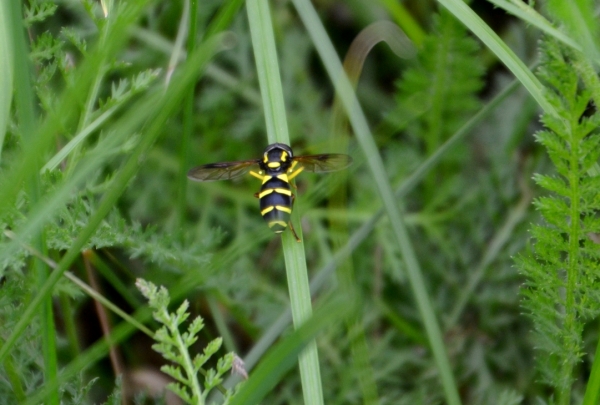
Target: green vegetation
(456, 261)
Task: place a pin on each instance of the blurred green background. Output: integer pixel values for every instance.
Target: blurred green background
(116, 205)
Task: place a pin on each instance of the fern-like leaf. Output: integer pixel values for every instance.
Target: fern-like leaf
(561, 290)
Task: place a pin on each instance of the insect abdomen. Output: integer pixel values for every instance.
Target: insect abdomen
(276, 203)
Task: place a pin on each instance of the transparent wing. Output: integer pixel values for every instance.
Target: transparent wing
(329, 162)
(221, 171)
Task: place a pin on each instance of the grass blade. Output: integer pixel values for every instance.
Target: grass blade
(265, 54)
(472, 21)
(6, 66)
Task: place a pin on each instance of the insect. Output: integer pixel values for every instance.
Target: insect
(275, 170)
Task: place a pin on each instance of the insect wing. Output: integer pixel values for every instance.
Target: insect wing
(221, 171)
(329, 162)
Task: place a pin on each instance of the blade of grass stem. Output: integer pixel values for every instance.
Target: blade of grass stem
(177, 49)
(188, 123)
(68, 314)
(527, 13)
(168, 103)
(267, 66)
(473, 22)
(499, 239)
(115, 281)
(6, 67)
(219, 75)
(224, 17)
(84, 287)
(14, 378)
(24, 105)
(579, 18)
(592, 388)
(405, 20)
(283, 356)
(77, 140)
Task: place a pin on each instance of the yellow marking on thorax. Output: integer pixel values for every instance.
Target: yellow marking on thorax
(284, 156)
(267, 210)
(273, 165)
(284, 209)
(266, 178)
(283, 177)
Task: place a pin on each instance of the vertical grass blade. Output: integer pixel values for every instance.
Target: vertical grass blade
(24, 103)
(265, 54)
(472, 21)
(6, 67)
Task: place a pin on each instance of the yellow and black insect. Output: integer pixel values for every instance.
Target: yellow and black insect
(276, 168)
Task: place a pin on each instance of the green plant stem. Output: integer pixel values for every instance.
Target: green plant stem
(405, 20)
(265, 55)
(528, 14)
(92, 97)
(570, 346)
(68, 313)
(12, 375)
(221, 324)
(188, 126)
(282, 357)
(188, 366)
(6, 67)
(359, 124)
(592, 389)
(472, 21)
(27, 117)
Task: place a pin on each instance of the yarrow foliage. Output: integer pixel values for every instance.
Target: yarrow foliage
(562, 272)
(174, 346)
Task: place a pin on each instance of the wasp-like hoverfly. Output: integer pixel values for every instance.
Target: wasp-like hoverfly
(276, 168)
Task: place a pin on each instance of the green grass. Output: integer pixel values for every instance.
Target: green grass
(435, 271)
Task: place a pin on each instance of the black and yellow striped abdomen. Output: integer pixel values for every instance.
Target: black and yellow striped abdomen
(276, 201)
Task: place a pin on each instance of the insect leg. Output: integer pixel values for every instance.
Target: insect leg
(294, 173)
(293, 231)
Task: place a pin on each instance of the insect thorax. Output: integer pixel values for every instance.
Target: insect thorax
(277, 159)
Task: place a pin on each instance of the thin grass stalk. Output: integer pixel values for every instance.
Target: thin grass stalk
(405, 20)
(282, 357)
(360, 48)
(24, 97)
(6, 67)
(473, 22)
(92, 96)
(528, 14)
(359, 124)
(188, 126)
(592, 389)
(265, 54)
